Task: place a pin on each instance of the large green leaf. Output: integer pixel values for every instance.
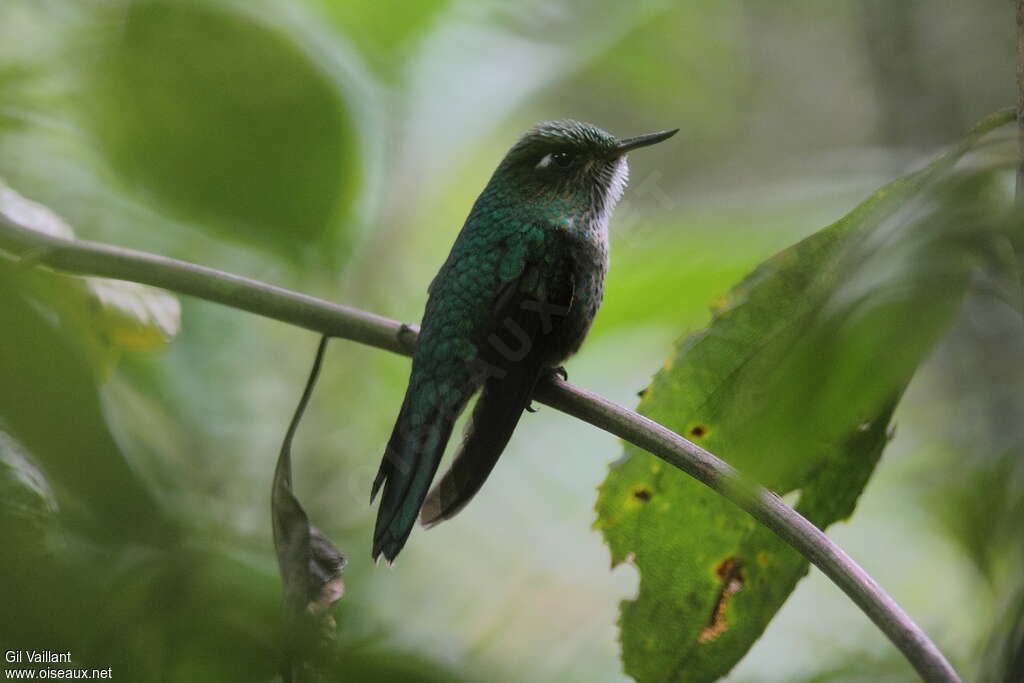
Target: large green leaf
(794, 383)
(232, 120)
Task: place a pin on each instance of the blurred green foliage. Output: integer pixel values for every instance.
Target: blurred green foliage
(335, 148)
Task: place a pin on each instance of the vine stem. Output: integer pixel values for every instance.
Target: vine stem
(1020, 99)
(91, 258)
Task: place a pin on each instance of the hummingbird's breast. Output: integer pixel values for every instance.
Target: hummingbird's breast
(587, 244)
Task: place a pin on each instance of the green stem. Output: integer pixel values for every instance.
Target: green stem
(1020, 99)
(90, 258)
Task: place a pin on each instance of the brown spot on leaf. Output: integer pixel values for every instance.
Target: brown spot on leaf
(730, 570)
(642, 493)
(726, 567)
(698, 431)
(643, 392)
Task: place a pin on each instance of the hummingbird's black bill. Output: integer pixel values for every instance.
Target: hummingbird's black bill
(629, 144)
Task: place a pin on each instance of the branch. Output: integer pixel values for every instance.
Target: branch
(318, 315)
(1020, 99)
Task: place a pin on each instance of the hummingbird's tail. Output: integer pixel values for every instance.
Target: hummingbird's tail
(409, 464)
(495, 417)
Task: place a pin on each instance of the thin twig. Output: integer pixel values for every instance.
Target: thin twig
(90, 258)
(1020, 99)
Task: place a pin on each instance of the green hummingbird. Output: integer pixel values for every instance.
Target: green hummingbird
(514, 299)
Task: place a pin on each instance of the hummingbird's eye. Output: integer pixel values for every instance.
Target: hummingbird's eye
(562, 159)
(559, 159)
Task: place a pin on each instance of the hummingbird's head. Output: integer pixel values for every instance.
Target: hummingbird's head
(574, 166)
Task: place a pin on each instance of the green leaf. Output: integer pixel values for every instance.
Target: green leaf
(50, 404)
(28, 507)
(232, 118)
(106, 317)
(794, 383)
(384, 37)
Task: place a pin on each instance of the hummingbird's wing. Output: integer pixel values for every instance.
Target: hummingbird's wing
(520, 343)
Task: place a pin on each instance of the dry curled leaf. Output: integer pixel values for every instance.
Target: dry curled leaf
(310, 564)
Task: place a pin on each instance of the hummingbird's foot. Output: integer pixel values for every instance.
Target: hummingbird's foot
(560, 372)
(407, 336)
(530, 408)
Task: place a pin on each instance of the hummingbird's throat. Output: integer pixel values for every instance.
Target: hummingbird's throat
(616, 185)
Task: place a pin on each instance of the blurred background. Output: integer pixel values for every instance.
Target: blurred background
(335, 148)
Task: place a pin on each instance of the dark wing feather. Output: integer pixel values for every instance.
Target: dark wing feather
(410, 461)
(520, 345)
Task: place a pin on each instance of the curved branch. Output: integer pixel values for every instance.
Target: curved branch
(90, 258)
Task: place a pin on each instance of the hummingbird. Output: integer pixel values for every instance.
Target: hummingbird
(514, 299)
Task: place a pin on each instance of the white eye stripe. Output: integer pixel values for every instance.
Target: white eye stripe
(545, 161)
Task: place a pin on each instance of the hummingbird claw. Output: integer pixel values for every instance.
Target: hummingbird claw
(530, 408)
(407, 335)
(560, 372)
